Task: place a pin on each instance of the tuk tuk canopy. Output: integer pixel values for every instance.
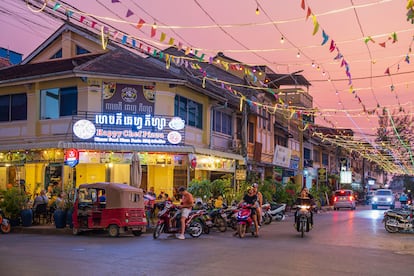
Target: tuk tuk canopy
(118, 195)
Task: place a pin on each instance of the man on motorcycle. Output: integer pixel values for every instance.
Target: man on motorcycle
(187, 203)
(251, 199)
(304, 194)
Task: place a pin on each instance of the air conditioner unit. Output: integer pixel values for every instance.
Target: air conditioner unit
(236, 144)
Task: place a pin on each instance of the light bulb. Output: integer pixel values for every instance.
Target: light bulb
(313, 64)
(282, 40)
(154, 25)
(257, 11)
(298, 55)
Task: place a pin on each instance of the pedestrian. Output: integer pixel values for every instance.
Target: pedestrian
(187, 203)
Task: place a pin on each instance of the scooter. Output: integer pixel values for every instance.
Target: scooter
(303, 217)
(169, 223)
(5, 226)
(399, 220)
(277, 211)
(244, 220)
(266, 216)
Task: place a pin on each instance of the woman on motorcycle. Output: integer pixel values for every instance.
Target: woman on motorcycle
(304, 194)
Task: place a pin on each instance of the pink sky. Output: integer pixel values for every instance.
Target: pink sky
(254, 40)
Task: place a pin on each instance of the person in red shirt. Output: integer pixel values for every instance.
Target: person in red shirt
(187, 203)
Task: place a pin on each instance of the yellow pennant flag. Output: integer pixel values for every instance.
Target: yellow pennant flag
(171, 42)
(315, 25)
(163, 36)
(241, 103)
(204, 82)
(167, 61)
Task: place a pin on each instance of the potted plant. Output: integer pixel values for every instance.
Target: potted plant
(12, 204)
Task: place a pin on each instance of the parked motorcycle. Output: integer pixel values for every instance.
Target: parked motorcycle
(5, 226)
(217, 218)
(169, 222)
(231, 216)
(245, 222)
(266, 216)
(303, 216)
(401, 220)
(277, 211)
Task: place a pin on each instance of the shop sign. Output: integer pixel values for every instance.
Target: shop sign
(211, 163)
(130, 129)
(240, 174)
(128, 98)
(71, 157)
(282, 156)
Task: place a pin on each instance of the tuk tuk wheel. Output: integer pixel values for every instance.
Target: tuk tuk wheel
(75, 231)
(113, 230)
(137, 233)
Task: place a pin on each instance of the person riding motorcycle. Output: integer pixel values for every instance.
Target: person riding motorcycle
(259, 203)
(251, 198)
(304, 194)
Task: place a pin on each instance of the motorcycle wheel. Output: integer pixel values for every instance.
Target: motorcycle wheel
(279, 217)
(221, 224)
(241, 230)
(233, 223)
(158, 230)
(267, 219)
(389, 228)
(6, 228)
(196, 229)
(302, 228)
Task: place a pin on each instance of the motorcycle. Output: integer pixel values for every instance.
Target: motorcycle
(244, 220)
(266, 216)
(231, 216)
(169, 223)
(303, 216)
(5, 226)
(217, 218)
(277, 211)
(401, 220)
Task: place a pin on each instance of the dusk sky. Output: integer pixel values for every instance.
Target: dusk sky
(364, 40)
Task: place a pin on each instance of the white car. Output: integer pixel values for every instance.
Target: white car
(383, 197)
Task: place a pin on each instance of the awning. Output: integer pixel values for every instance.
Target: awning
(223, 154)
(120, 147)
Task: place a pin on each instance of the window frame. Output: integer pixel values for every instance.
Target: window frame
(67, 102)
(188, 110)
(222, 122)
(14, 113)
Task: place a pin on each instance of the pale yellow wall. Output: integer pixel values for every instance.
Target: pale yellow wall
(161, 178)
(120, 173)
(90, 173)
(3, 178)
(35, 174)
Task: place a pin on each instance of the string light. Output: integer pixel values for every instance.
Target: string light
(298, 55)
(282, 40)
(154, 25)
(257, 11)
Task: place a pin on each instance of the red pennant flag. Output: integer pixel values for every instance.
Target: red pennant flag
(153, 31)
(308, 13)
(149, 49)
(332, 47)
(93, 24)
(387, 71)
(140, 23)
(382, 44)
(82, 18)
(302, 5)
(129, 13)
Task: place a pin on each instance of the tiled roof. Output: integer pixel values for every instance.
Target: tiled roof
(124, 63)
(43, 68)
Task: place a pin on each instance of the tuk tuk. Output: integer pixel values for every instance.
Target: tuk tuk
(117, 208)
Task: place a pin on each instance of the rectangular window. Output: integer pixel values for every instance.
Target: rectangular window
(306, 154)
(191, 112)
(13, 107)
(222, 122)
(316, 156)
(251, 132)
(58, 102)
(325, 159)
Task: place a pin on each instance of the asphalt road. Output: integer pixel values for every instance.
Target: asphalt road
(341, 243)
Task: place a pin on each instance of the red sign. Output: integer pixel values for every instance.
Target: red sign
(71, 157)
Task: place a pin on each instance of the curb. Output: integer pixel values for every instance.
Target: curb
(51, 230)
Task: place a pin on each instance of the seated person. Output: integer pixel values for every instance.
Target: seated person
(305, 198)
(102, 197)
(40, 199)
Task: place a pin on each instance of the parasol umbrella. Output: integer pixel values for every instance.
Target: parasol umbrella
(136, 172)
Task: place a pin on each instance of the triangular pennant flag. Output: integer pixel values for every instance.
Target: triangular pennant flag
(387, 71)
(332, 47)
(163, 36)
(410, 4)
(153, 31)
(338, 56)
(93, 24)
(116, 1)
(180, 45)
(171, 41)
(302, 4)
(309, 12)
(57, 6)
(202, 57)
(69, 13)
(129, 13)
(82, 18)
(368, 38)
(407, 59)
(187, 50)
(325, 37)
(134, 43)
(394, 37)
(343, 62)
(124, 39)
(141, 23)
(382, 44)
(315, 25)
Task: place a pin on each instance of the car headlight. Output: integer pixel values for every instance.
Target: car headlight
(389, 199)
(374, 198)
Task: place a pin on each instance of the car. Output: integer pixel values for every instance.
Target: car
(369, 197)
(383, 197)
(344, 199)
